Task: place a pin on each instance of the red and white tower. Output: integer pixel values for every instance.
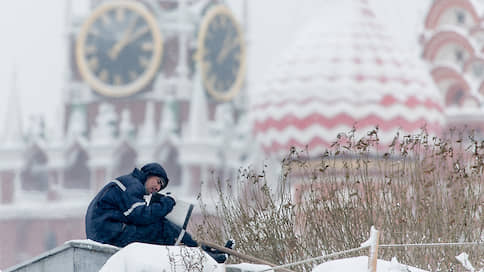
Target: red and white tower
(343, 70)
(453, 46)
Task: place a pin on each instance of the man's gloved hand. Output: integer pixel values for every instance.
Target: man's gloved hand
(163, 199)
(168, 194)
(155, 197)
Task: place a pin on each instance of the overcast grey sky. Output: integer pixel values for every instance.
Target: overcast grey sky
(32, 43)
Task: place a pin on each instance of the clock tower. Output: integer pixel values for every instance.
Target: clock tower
(161, 81)
(119, 49)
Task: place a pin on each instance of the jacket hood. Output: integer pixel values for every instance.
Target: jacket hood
(154, 169)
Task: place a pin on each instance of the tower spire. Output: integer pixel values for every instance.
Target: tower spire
(168, 123)
(198, 122)
(13, 120)
(146, 132)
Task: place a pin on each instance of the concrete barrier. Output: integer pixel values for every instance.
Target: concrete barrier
(73, 256)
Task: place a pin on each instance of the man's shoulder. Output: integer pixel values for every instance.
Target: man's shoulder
(128, 179)
(131, 183)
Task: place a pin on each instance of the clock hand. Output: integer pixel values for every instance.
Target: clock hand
(119, 45)
(114, 52)
(226, 49)
(137, 34)
(223, 51)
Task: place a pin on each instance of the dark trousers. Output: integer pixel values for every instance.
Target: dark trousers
(161, 233)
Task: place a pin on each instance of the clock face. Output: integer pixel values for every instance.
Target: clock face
(119, 48)
(221, 53)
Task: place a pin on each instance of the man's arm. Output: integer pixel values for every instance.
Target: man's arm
(135, 210)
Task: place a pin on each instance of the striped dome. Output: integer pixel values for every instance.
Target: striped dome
(343, 70)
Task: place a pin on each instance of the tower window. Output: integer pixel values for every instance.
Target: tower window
(460, 16)
(76, 172)
(35, 174)
(459, 55)
(457, 97)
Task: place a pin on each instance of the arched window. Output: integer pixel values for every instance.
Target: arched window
(460, 16)
(35, 175)
(459, 55)
(76, 173)
(455, 97)
(125, 160)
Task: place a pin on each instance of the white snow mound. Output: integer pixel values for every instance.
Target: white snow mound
(360, 264)
(147, 258)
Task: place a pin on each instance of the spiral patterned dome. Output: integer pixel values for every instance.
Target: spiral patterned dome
(343, 70)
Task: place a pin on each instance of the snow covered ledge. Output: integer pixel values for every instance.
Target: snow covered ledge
(73, 256)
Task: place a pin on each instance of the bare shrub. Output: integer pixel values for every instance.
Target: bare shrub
(418, 189)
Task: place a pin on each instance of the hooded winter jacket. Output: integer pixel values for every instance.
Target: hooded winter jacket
(121, 203)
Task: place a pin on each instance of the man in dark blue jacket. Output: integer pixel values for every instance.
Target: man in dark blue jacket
(119, 215)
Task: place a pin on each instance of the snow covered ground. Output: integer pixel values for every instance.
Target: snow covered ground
(139, 257)
(360, 264)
